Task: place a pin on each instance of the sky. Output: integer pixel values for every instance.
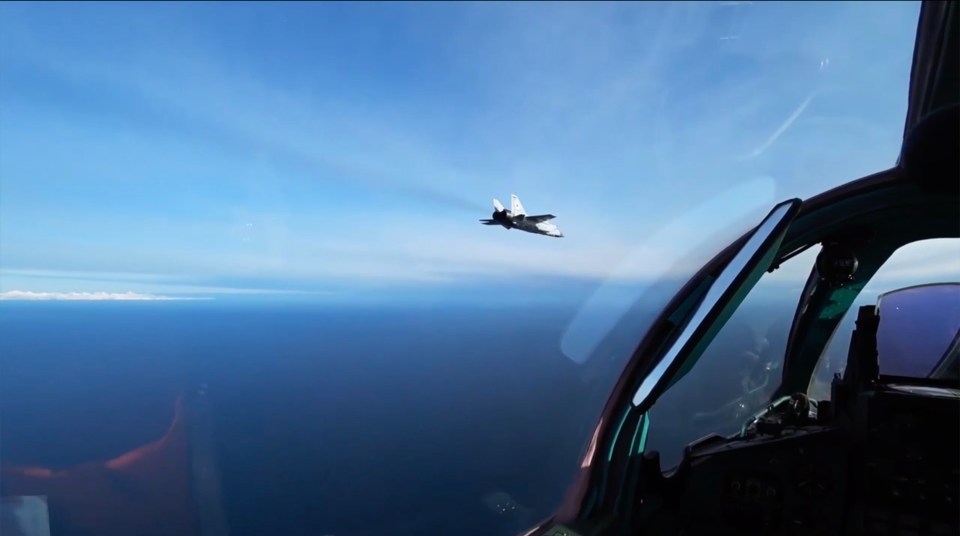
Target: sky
(205, 150)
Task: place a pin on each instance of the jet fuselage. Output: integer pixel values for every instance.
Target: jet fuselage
(517, 218)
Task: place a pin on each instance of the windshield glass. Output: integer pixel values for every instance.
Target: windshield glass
(739, 371)
(254, 277)
(921, 263)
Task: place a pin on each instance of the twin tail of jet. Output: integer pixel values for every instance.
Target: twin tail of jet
(517, 218)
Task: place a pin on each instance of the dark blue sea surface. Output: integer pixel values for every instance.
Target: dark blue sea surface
(326, 419)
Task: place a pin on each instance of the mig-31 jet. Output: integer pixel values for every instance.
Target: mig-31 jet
(517, 218)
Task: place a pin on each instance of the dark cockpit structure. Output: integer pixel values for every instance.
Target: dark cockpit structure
(878, 457)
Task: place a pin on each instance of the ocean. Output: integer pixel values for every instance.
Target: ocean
(324, 419)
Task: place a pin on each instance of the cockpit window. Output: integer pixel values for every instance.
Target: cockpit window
(918, 263)
(740, 370)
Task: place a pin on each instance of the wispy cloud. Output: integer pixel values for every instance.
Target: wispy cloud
(70, 282)
(21, 295)
(783, 127)
(927, 261)
(297, 249)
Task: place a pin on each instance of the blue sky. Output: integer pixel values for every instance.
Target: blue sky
(211, 149)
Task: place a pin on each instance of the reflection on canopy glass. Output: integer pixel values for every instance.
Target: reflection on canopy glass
(918, 332)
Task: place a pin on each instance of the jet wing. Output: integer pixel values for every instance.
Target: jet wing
(540, 218)
(490, 222)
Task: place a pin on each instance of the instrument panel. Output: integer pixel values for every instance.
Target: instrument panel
(794, 482)
(884, 463)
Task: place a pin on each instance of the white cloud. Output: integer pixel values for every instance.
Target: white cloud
(94, 276)
(927, 258)
(87, 283)
(24, 295)
(927, 261)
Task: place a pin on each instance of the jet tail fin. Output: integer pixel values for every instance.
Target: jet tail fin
(515, 207)
(497, 205)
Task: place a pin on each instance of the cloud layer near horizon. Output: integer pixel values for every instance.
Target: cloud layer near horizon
(22, 295)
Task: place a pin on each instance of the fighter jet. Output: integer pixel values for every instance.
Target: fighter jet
(516, 218)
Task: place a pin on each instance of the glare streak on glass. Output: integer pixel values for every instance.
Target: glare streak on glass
(592, 448)
(614, 298)
(711, 301)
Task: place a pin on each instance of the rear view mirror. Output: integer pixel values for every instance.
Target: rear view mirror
(918, 335)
